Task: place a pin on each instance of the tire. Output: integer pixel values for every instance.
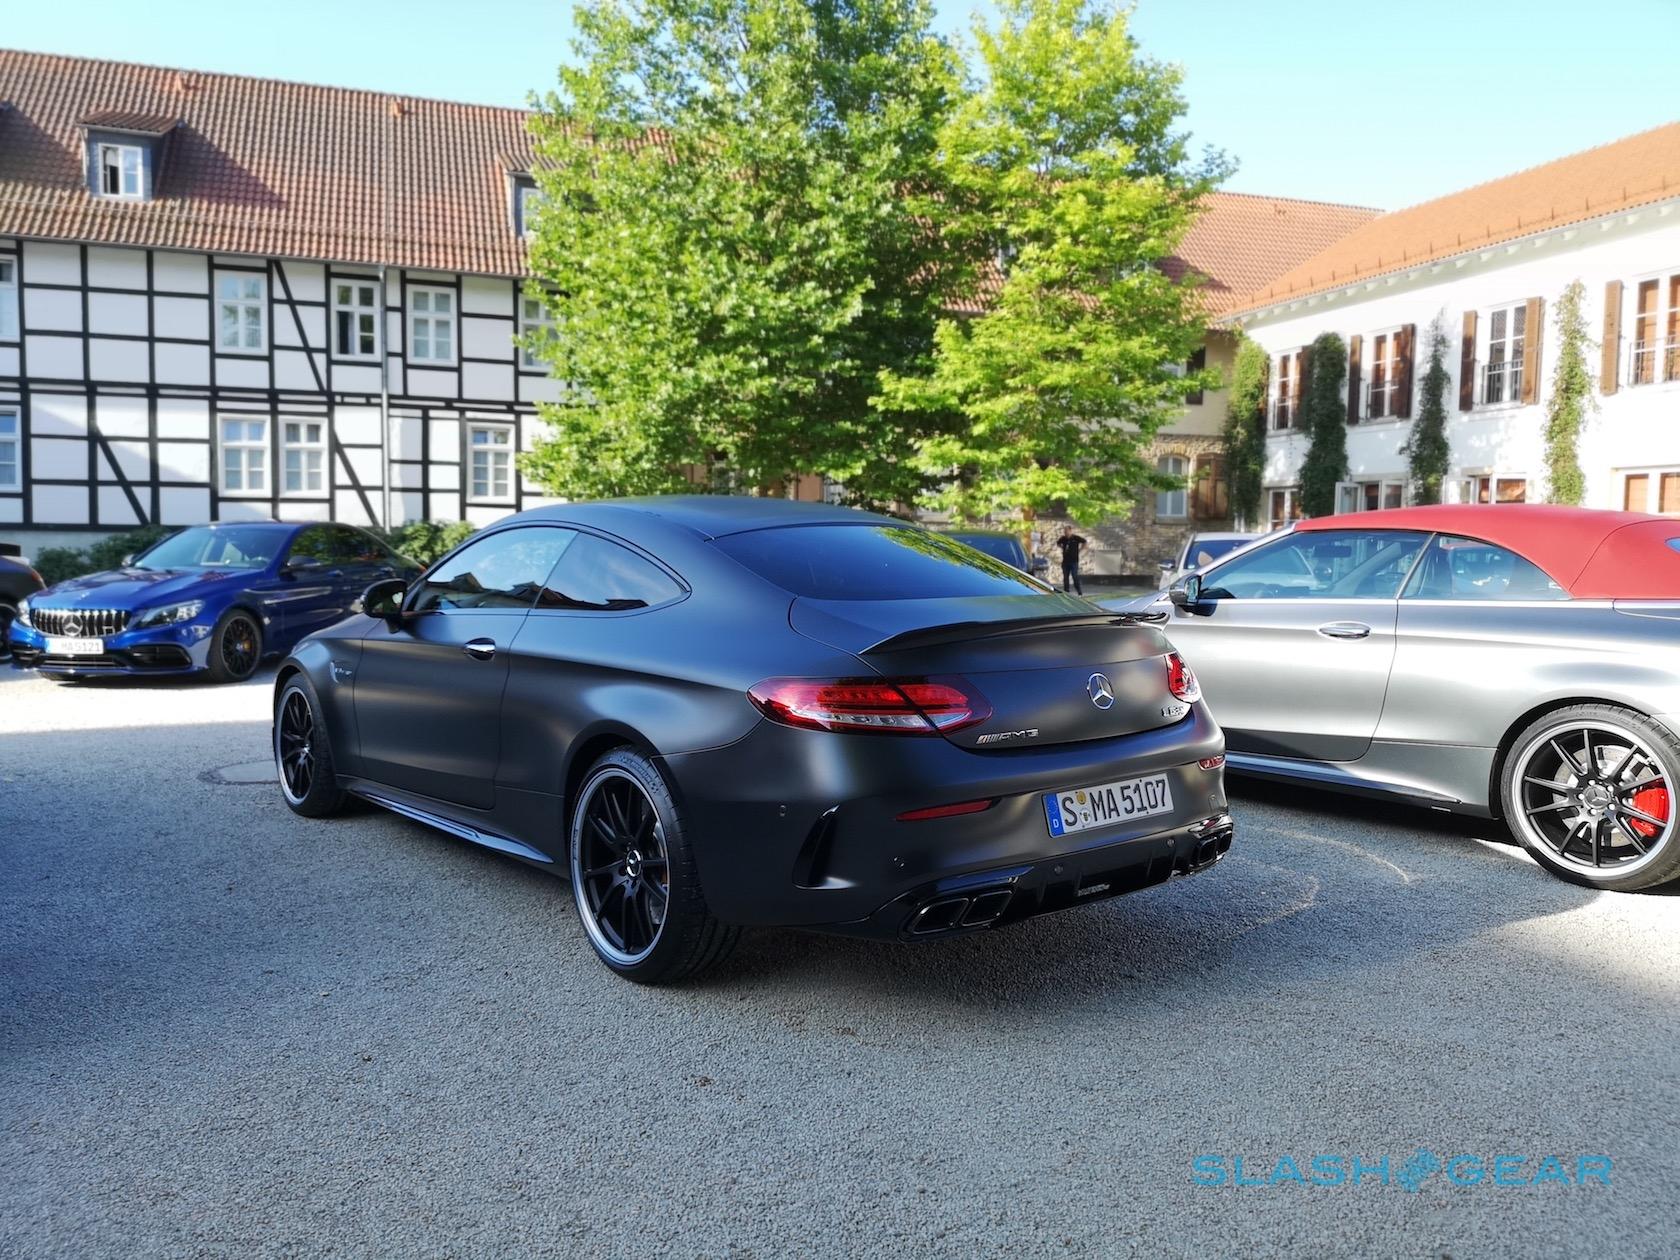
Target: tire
(626, 831)
(236, 647)
(1590, 792)
(303, 757)
(8, 614)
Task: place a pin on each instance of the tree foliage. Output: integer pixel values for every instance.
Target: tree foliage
(1570, 402)
(742, 228)
(1324, 416)
(1428, 450)
(1245, 430)
(1068, 162)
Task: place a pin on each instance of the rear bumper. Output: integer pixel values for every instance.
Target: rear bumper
(181, 649)
(800, 828)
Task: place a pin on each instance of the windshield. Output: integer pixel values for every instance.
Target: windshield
(1204, 551)
(868, 562)
(224, 547)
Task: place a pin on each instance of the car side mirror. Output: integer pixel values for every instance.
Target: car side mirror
(383, 599)
(126, 561)
(1186, 592)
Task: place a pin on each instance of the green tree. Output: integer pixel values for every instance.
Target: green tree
(1324, 417)
(743, 223)
(1428, 450)
(1068, 161)
(1245, 430)
(1571, 401)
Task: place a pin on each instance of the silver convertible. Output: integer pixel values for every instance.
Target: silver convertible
(1519, 662)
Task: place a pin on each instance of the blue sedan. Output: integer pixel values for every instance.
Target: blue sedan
(214, 598)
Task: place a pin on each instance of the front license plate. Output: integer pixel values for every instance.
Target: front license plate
(75, 647)
(1080, 809)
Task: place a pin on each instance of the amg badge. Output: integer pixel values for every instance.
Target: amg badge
(997, 737)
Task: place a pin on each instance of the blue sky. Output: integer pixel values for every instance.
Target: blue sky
(1375, 104)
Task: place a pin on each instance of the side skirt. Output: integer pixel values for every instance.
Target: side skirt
(1340, 778)
(477, 835)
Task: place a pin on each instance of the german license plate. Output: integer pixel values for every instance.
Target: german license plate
(75, 647)
(1080, 809)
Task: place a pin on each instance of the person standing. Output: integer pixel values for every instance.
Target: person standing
(1071, 544)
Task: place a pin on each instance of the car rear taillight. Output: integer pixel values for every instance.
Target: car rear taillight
(1212, 763)
(881, 706)
(1181, 679)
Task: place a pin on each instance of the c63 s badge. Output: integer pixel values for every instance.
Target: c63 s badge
(997, 737)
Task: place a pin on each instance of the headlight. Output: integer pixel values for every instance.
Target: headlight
(168, 615)
(23, 612)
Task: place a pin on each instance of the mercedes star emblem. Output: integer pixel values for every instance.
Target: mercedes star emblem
(1102, 693)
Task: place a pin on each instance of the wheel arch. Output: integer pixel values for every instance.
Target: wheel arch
(589, 747)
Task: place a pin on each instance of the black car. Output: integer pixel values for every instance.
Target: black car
(1001, 546)
(17, 583)
(714, 712)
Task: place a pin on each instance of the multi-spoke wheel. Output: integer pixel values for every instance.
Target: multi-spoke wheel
(633, 875)
(1589, 791)
(235, 647)
(303, 752)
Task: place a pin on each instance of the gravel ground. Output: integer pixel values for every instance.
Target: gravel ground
(225, 1030)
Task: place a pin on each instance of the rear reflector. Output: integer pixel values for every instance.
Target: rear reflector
(947, 811)
(879, 706)
(1212, 763)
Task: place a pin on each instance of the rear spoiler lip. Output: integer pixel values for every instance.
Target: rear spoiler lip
(960, 631)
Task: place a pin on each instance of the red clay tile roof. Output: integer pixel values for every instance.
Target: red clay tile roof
(129, 120)
(1242, 241)
(259, 166)
(1609, 179)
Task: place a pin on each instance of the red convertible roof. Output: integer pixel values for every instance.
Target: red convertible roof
(1591, 554)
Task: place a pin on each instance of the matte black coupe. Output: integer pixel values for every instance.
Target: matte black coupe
(714, 712)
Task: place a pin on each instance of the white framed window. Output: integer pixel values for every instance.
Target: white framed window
(1503, 353)
(242, 445)
(1370, 496)
(1172, 504)
(1649, 490)
(242, 312)
(530, 204)
(535, 323)
(303, 455)
(1286, 389)
(1283, 505)
(355, 319)
(119, 170)
(1382, 393)
(431, 324)
(1492, 488)
(1656, 331)
(11, 451)
(490, 462)
(8, 298)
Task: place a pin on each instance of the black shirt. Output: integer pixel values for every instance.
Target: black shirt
(1070, 546)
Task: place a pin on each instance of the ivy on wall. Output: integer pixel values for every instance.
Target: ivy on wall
(1428, 450)
(1570, 402)
(1324, 417)
(1245, 431)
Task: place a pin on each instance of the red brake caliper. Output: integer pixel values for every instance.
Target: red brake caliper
(1652, 800)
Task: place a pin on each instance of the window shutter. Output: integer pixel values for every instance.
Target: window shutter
(1534, 336)
(1467, 364)
(1355, 345)
(1610, 349)
(1303, 359)
(1405, 339)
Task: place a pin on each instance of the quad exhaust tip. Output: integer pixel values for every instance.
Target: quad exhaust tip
(956, 914)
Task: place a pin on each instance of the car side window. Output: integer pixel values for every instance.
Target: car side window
(355, 547)
(506, 569)
(1466, 569)
(1319, 564)
(314, 544)
(595, 575)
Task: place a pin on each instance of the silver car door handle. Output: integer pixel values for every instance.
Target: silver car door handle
(1344, 630)
(479, 649)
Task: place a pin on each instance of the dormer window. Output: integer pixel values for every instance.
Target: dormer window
(120, 171)
(527, 204)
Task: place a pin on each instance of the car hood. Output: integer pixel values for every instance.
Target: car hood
(134, 588)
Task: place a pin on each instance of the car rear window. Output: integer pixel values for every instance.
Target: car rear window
(867, 562)
(1005, 549)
